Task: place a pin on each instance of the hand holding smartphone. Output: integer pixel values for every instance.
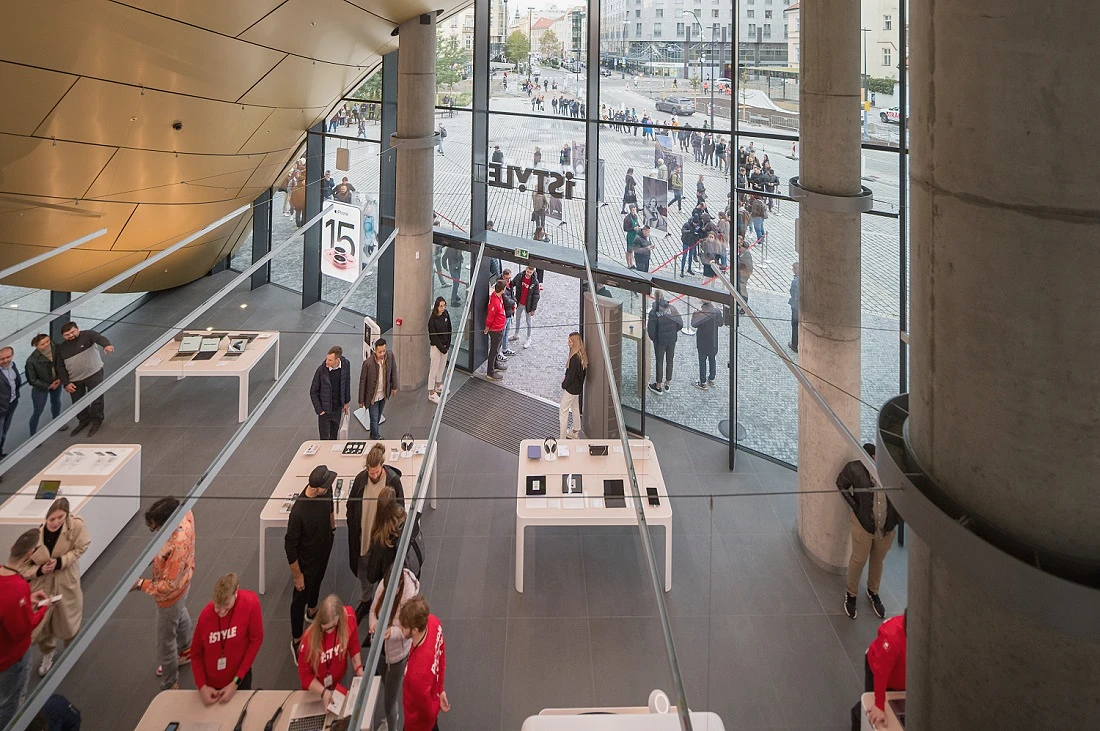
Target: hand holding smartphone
(48, 600)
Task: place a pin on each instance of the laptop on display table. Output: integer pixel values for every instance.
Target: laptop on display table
(189, 345)
(208, 349)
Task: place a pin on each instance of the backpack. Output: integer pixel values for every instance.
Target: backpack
(442, 132)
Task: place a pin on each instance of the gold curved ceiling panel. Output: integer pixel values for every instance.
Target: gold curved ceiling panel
(92, 89)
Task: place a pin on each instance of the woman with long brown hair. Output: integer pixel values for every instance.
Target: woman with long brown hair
(54, 568)
(326, 647)
(572, 385)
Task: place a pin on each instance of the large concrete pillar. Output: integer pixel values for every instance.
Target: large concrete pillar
(414, 141)
(1005, 401)
(829, 251)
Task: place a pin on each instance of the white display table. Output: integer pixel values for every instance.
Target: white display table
(346, 467)
(618, 719)
(185, 707)
(163, 363)
(102, 483)
(554, 508)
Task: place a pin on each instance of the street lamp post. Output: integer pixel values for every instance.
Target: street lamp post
(710, 55)
(626, 24)
(530, 49)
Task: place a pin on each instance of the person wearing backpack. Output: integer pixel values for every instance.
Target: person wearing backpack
(663, 327)
(706, 322)
(442, 136)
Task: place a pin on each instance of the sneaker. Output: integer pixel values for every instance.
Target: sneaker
(494, 377)
(575, 434)
(47, 663)
(527, 343)
(850, 605)
(668, 387)
(79, 428)
(433, 397)
(701, 385)
(94, 427)
(509, 352)
(184, 657)
(310, 617)
(655, 388)
(382, 420)
(876, 604)
(501, 358)
(513, 338)
(294, 650)
(500, 366)
(710, 383)
(570, 435)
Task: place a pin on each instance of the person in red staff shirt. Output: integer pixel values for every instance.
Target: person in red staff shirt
(228, 635)
(326, 646)
(883, 670)
(423, 694)
(495, 320)
(20, 613)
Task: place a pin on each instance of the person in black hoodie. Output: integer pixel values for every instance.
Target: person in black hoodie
(706, 322)
(361, 508)
(308, 543)
(439, 339)
(873, 521)
(664, 324)
(572, 385)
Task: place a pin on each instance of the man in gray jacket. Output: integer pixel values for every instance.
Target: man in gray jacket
(377, 382)
(80, 368)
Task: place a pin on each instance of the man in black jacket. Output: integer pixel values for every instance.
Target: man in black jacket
(331, 392)
(9, 393)
(663, 328)
(361, 508)
(873, 521)
(706, 322)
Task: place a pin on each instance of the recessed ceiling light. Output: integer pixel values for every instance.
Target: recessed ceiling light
(133, 119)
(15, 305)
(209, 329)
(244, 305)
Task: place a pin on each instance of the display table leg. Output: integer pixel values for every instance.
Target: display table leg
(435, 464)
(242, 399)
(668, 556)
(521, 529)
(276, 360)
(137, 397)
(263, 561)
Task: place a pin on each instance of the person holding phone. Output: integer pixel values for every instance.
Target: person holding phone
(21, 611)
(228, 636)
(54, 567)
(327, 646)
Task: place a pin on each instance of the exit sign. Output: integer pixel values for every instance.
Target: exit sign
(522, 253)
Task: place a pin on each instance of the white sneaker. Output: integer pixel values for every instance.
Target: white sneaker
(513, 338)
(433, 397)
(47, 663)
(527, 343)
(382, 420)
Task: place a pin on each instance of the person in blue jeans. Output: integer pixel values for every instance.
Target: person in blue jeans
(45, 385)
(377, 382)
(759, 212)
(21, 610)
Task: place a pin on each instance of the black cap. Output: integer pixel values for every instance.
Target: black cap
(321, 477)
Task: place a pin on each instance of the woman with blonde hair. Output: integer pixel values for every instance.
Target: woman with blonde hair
(54, 568)
(572, 385)
(326, 647)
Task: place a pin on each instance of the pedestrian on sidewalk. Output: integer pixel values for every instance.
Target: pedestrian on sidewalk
(759, 212)
(744, 268)
(509, 315)
(676, 185)
(663, 328)
(632, 225)
(642, 249)
(495, 320)
(630, 196)
(706, 322)
(571, 387)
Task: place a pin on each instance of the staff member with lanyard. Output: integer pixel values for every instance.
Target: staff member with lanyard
(228, 636)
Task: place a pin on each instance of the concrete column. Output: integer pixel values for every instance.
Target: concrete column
(412, 288)
(829, 246)
(1004, 409)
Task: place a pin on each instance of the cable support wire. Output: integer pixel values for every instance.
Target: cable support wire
(91, 628)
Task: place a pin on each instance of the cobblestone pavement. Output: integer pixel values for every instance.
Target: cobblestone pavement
(767, 392)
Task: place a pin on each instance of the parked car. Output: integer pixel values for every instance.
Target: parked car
(605, 72)
(680, 105)
(892, 116)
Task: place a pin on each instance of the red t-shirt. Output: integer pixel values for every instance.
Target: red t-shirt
(886, 657)
(334, 658)
(231, 641)
(17, 619)
(424, 678)
(524, 286)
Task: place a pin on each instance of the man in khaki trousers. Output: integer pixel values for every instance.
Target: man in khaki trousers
(873, 522)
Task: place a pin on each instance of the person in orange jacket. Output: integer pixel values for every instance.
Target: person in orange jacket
(173, 568)
(883, 669)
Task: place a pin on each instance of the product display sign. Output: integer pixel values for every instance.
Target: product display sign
(340, 242)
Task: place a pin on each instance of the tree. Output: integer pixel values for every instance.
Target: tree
(880, 85)
(371, 88)
(516, 47)
(451, 61)
(549, 44)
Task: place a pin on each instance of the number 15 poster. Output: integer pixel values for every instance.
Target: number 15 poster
(340, 242)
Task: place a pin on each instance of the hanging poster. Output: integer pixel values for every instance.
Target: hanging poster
(340, 243)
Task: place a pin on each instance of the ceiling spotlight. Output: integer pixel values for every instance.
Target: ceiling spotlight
(133, 119)
(209, 329)
(15, 305)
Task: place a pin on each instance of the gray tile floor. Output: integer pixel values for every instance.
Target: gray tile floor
(759, 631)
